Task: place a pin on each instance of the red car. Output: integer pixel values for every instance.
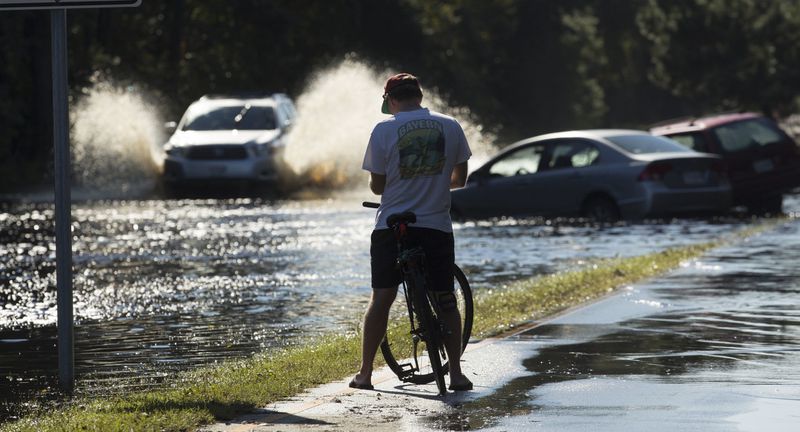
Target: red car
(763, 162)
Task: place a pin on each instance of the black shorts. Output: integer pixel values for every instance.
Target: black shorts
(439, 257)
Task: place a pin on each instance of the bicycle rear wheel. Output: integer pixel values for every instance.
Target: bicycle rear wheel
(397, 344)
(432, 336)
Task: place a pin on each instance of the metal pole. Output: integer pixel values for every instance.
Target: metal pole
(66, 359)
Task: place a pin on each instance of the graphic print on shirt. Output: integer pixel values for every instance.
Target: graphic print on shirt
(421, 147)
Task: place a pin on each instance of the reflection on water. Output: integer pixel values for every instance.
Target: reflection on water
(728, 325)
(161, 286)
(165, 285)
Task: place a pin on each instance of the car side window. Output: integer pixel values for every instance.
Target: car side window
(520, 162)
(694, 141)
(585, 156)
(746, 134)
(572, 154)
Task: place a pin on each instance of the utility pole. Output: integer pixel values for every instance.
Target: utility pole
(63, 198)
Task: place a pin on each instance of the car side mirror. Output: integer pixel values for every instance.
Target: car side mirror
(478, 178)
(170, 126)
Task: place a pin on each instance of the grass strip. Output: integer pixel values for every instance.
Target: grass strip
(237, 387)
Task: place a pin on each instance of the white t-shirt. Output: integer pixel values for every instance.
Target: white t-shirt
(416, 151)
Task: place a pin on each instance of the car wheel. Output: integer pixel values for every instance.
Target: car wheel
(601, 209)
(770, 204)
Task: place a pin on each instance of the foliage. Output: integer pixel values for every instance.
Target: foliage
(528, 66)
(725, 55)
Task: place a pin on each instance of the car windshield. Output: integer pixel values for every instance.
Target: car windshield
(241, 117)
(747, 134)
(640, 144)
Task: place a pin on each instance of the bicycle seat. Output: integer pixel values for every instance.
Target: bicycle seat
(407, 217)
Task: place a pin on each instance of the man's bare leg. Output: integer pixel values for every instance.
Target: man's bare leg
(375, 322)
(452, 344)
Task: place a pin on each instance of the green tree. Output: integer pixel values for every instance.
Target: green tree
(25, 117)
(581, 37)
(721, 54)
(530, 66)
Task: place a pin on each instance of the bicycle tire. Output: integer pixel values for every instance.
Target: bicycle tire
(396, 349)
(433, 338)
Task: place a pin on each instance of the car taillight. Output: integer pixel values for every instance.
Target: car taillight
(655, 171)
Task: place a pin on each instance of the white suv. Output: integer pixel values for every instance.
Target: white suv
(230, 138)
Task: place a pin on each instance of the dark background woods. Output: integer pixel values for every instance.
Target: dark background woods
(522, 66)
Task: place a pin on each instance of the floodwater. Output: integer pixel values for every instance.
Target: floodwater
(162, 286)
(714, 346)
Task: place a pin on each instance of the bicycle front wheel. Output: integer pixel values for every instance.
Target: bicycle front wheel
(397, 344)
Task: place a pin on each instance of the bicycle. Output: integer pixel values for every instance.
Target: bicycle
(424, 323)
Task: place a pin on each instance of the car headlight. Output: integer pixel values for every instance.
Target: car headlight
(175, 151)
(260, 149)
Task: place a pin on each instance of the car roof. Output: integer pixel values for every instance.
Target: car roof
(205, 105)
(593, 134)
(599, 135)
(700, 123)
(266, 99)
(585, 133)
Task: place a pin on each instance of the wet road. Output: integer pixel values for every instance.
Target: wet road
(714, 346)
(161, 286)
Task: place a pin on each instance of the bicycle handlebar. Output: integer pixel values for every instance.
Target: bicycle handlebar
(369, 204)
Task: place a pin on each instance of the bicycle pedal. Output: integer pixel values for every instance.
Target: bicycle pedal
(407, 371)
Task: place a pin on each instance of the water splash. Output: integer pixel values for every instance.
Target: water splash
(116, 136)
(337, 112)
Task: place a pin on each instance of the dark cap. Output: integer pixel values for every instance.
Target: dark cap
(393, 83)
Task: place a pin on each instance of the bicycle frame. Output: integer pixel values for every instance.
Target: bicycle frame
(411, 263)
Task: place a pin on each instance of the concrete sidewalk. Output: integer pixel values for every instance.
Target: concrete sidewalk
(393, 405)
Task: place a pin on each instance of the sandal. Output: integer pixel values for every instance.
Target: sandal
(355, 385)
(466, 386)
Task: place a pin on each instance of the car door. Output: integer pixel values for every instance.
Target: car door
(507, 186)
(565, 176)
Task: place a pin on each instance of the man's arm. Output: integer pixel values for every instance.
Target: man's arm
(459, 176)
(377, 183)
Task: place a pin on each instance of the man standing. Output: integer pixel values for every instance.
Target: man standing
(414, 158)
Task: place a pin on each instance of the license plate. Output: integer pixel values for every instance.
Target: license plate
(694, 178)
(216, 169)
(763, 165)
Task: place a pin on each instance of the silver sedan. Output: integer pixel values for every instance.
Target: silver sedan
(603, 174)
